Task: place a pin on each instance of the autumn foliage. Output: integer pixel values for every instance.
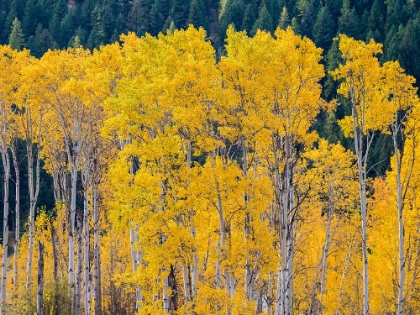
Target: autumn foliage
(190, 184)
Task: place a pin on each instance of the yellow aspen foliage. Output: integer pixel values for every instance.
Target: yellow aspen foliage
(362, 76)
(202, 184)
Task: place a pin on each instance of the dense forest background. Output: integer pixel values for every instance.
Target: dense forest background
(49, 24)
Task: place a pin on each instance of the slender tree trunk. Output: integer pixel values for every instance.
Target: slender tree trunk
(40, 292)
(29, 149)
(78, 290)
(86, 242)
(17, 213)
(186, 281)
(96, 252)
(71, 234)
(190, 272)
(34, 186)
(290, 238)
(55, 269)
(228, 277)
(361, 166)
(73, 141)
(6, 178)
(33, 196)
(285, 205)
(174, 289)
(325, 251)
(401, 241)
(248, 287)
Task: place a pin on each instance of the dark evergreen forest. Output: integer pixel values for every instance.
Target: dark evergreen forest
(49, 24)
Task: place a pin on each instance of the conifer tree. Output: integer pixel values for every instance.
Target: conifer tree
(284, 21)
(348, 22)
(198, 15)
(30, 19)
(324, 28)
(16, 39)
(179, 12)
(264, 21)
(250, 16)
(133, 19)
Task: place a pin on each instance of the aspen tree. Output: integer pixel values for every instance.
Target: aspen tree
(360, 73)
(16, 167)
(194, 88)
(125, 124)
(246, 63)
(401, 96)
(293, 89)
(101, 70)
(66, 94)
(10, 71)
(33, 107)
(332, 182)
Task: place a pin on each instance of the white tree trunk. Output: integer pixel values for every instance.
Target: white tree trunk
(86, 242)
(6, 177)
(400, 207)
(96, 251)
(284, 192)
(325, 251)
(361, 167)
(71, 234)
(33, 185)
(40, 291)
(55, 268)
(17, 218)
(78, 290)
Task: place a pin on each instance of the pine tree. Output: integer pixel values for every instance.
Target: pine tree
(179, 12)
(169, 23)
(284, 21)
(44, 42)
(324, 28)
(376, 20)
(408, 48)
(16, 38)
(295, 25)
(250, 16)
(30, 19)
(232, 14)
(348, 22)
(134, 19)
(66, 31)
(392, 43)
(395, 14)
(264, 21)
(108, 22)
(198, 15)
(306, 20)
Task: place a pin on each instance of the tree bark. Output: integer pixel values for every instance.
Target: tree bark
(361, 166)
(33, 185)
(6, 178)
(96, 251)
(78, 289)
(55, 269)
(40, 291)
(86, 240)
(17, 217)
(283, 182)
(400, 208)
